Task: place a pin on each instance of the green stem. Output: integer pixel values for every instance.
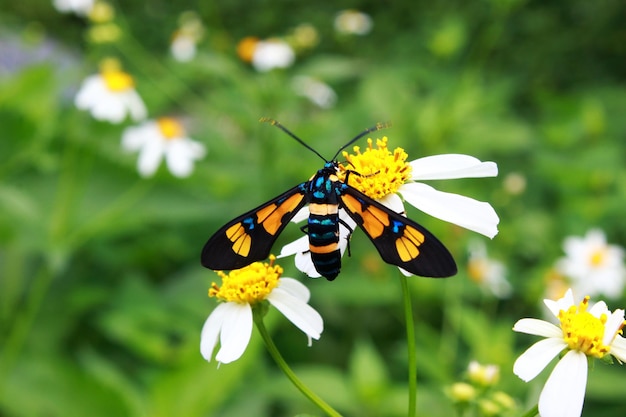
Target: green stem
(532, 412)
(271, 347)
(410, 339)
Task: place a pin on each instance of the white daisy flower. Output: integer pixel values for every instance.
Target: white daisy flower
(241, 290)
(488, 273)
(388, 178)
(185, 40)
(319, 93)
(183, 46)
(110, 96)
(353, 22)
(594, 266)
(162, 138)
(80, 7)
(272, 53)
(383, 175)
(582, 332)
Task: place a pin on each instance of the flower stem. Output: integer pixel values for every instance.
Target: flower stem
(532, 412)
(271, 347)
(410, 339)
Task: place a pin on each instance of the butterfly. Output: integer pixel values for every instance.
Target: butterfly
(399, 240)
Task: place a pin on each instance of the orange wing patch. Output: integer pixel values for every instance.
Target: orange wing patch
(374, 219)
(408, 244)
(271, 217)
(241, 240)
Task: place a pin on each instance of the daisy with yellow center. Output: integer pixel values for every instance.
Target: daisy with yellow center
(110, 95)
(266, 55)
(594, 266)
(387, 177)
(582, 332)
(159, 139)
(488, 273)
(241, 291)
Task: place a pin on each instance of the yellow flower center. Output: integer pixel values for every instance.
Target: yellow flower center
(248, 285)
(170, 128)
(583, 331)
(117, 80)
(377, 172)
(477, 269)
(246, 47)
(598, 256)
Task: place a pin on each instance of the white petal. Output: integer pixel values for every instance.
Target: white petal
(564, 392)
(211, 330)
(91, 88)
(618, 348)
(299, 245)
(450, 166)
(295, 288)
(133, 138)
(302, 315)
(109, 108)
(178, 158)
(394, 202)
(464, 211)
(236, 332)
(598, 309)
(150, 157)
(537, 357)
(538, 328)
(304, 263)
(561, 304)
(301, 215)
(613, 324)
(135, 106)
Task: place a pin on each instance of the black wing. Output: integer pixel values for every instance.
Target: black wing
(250, 237)
(399, 240)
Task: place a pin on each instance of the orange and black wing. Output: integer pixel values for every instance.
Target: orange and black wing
(399, 240)
(250, 237)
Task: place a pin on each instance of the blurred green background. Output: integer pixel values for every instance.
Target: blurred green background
(102, 296)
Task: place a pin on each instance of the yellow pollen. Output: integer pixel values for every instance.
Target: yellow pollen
(377, 172)
(583, 331)
(598, 256)
(246, 47)
(248, 285)
(477, 269)
(117, 80)
(170, 128)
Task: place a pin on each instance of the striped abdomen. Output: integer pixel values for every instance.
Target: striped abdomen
(323, 230)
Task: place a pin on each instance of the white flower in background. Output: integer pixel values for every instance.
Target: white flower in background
(183, 46)
(483, 375)
(582, 333)
(110, 96)
(162, 138)
(272, 53)
(185, 40)
(265, 55)
(318, 92)
(80, 7)
(488, 273)
(594, 266)
(353, 22)
(241, 290)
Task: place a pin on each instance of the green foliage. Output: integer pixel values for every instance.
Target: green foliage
(102, 297)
